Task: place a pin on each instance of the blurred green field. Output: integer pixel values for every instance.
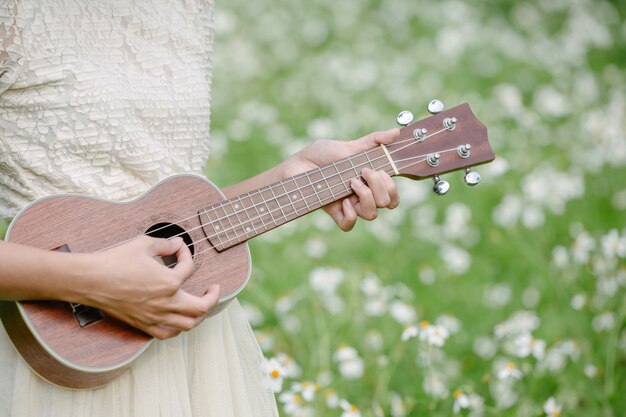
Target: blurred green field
(547, 78)
(525, 274)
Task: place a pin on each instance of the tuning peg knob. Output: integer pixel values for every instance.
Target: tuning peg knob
(441, 187)
(435, 106)
(471, 177)
(404, 118)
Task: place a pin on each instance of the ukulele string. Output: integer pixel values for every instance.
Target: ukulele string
(330, 199)
(211, 246)
(258, 191)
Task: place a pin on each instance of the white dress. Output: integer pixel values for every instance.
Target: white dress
(106, 98)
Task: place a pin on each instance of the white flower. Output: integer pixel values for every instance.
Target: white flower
(497, 295)
(398, 406)
(461, 401)
(307, 389)
(436, 335)
(613, 245)
(603, 322)
(560, 258)
(551, 408)
(290, 367)
(590, 371)
(349, 410)
(434, 385)
(376, 306)
(452, 324)
(402, 312)
(374, 340)
(409, 332)
(524, 345)
(332, 399)
(582, 246)
(326, 280)
(485, 347)
(509, 371)
(521, 322)
(531, 297)
(351, 365)
(292, 403)
(370, 285)
(427, 275)
(264, 339)
(315, 248)
(457, 260)
(578, 301)
(276, 373)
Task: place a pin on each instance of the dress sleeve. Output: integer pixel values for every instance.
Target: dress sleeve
(10, 45)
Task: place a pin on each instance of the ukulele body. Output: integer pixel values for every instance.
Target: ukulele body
(76, 346)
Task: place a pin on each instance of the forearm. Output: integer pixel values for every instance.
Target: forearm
(28, 273)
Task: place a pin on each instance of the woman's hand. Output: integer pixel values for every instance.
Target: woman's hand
(379, 191)
(128, 283)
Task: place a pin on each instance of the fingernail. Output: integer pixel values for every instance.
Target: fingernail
(356, 182)
(176, 239)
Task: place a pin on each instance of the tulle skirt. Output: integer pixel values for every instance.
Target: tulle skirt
(213, 371)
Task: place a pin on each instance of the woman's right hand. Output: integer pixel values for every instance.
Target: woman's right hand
(128, 283)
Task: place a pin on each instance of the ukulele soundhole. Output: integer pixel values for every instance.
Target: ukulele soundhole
(166, 231)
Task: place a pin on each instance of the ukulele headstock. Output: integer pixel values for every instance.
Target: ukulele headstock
(449, 140)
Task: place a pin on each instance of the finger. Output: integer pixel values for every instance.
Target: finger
(366, 207)
(376, 138)
(160, 331)
(393, 191)
(184, 262)
(378, 186)
(349, 217)
(193, 306)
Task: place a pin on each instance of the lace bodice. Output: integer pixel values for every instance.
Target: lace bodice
(101, 97)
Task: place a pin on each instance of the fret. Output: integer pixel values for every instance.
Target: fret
(341, 181)
(307, 192)
(267, 195)
(258, 211)
(251, 226)
(326, 180)
(369, 161)
(230, 228)
(254, 205)
(357, 174)
(314, 188)
(290, 195)
(278, 202)
(211, 222)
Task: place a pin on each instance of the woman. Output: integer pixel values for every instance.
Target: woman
(106, 98)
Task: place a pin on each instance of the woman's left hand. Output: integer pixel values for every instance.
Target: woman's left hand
(378, 191)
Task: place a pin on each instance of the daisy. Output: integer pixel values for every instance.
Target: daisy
(551, 408)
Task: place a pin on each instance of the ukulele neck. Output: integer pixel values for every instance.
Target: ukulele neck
(241, 218)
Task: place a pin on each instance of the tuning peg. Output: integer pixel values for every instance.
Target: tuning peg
(471, 177)
(435, 106)
(441, 187)
(404, 118)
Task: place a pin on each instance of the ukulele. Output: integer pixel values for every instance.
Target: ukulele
(77, 346)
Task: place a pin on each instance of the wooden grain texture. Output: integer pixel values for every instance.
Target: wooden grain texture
(87, 224)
